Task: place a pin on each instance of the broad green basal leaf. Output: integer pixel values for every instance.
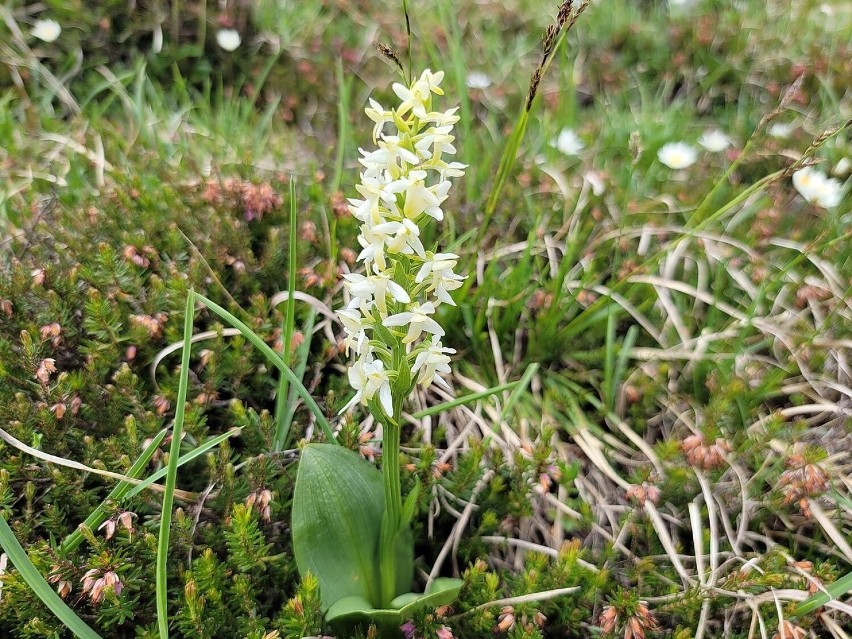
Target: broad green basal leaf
(338, 503)
(443, 591)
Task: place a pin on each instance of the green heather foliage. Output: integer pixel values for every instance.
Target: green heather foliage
(657, 370)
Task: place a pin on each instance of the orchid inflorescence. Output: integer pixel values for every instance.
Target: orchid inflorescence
(388, 321)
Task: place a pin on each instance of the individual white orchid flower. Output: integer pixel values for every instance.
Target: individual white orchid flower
(388, 157)
(443, 118)
(375, 289)
(432, 360)
(353, 325)
(436, 141)
(449, 170)
(406, 240)
(422, 199)
(417, 321)
(374, 238)
(417, 97)
(377, 113)
(368, 377)
(443, 280)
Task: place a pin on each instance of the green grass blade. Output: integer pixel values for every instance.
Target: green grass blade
(185, 459)
(289, 321)
(465, 399)
(40, 587)
(456, 47)
(521, 387)
(302, 354)
(171, 474)
(834, 591)
(609, 382)
(621, 361)
(344, 92)
(121, 490)
(507, 161)
(275, 359)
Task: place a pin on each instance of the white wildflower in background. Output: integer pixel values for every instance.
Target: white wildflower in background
(568, 142)
(715, 141)
(596, 181)
(677, 155)
(405, 182)
(781, 130)
(817, 188)
(843, 168)
(228, 39)
(478, 80)
(46, 30)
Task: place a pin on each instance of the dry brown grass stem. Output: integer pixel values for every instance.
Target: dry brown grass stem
(544, 595)
(452, 542)
(533, 547)
(70, 463)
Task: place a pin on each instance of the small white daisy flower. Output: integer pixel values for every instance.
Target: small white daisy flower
(46, 30)
(715, 141)
(568, 142)
(228, 39)
(817, 188)
(478, 80)
(677, 155)
(781, 130)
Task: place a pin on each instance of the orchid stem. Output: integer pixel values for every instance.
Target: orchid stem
(393, 504)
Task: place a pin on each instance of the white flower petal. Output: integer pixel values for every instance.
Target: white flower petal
(400, 319)
(385, 399)
(398, 293)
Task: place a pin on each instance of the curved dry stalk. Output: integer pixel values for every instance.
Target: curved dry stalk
(70, 463)
(452, 542)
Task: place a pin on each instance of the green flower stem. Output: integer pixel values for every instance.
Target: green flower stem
(393, 505)
(393, 492)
